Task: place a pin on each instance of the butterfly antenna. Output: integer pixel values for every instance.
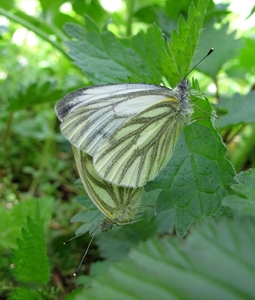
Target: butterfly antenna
(209, 53)
(171, 52)
(83, 257)
(73, 238)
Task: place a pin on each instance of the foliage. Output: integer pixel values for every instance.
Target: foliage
(205, 193)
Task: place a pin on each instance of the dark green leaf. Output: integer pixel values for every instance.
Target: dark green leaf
(184, 42)
(35, 94)
(226, 47)
(114, 245)
(106, 59)
(91, 217)
(240, 110)
(243, 200)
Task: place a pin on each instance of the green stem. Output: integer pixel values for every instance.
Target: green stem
(43, 159)
(5, 141)
(44, 35)
(6, 164)
(244, 149)
(130, 10)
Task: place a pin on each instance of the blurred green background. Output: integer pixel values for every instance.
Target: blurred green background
(37, 169)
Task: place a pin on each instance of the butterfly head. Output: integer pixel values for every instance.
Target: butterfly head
(184, 85)
(182, 88)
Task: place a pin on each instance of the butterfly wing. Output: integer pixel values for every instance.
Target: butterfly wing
(118, 204)
(90, 115)
(140, 148)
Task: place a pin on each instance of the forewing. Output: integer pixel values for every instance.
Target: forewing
(143, 145)
(90, 115)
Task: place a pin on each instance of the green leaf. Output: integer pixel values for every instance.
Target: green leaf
(225, 44)
(106, 59)
(10, 213)
(215, 262)
(114, 245)
(92, 8)
(30, 259)
(184, 42)
(195, 178)
(24, 293)
(243, 201)
(240, 110)
(91, 217)
(246, 54)
(34, 94)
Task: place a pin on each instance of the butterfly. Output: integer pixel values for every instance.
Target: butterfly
(118, 204)
(122, 136)
(129, 130)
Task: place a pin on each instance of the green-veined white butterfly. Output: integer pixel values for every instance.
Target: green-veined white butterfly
(130, 130)
(122, 136)
(118, 204)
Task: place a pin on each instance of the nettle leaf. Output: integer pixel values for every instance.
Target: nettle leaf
(194, 180)
(34, 94)
(114, 245)
(240, 110)
(30, 259)
(215, 262)
(20, 211)
(91, 217)
(104, 58)
(184, 42)
(24, 293)
(243, 201)
(225, 44)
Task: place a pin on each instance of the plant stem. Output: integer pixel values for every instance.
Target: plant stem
(130, 10)
(43, 158)
(244, 149)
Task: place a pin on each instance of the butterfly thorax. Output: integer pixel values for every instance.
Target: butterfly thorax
(182, 91)
(124, 215)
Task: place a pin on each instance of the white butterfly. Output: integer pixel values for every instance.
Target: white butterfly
(130, 130)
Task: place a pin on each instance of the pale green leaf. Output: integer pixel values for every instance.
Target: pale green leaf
(215, 262)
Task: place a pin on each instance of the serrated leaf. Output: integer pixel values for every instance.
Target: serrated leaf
(91, 217)
(243, 201)
(10, 228)
(30, 259)
(215, 262)
(106, 59)
(34, 94)
(194, 180)
(184, 42)
(114, 245)
(225, 44)
(240, 110)
(24, 293)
